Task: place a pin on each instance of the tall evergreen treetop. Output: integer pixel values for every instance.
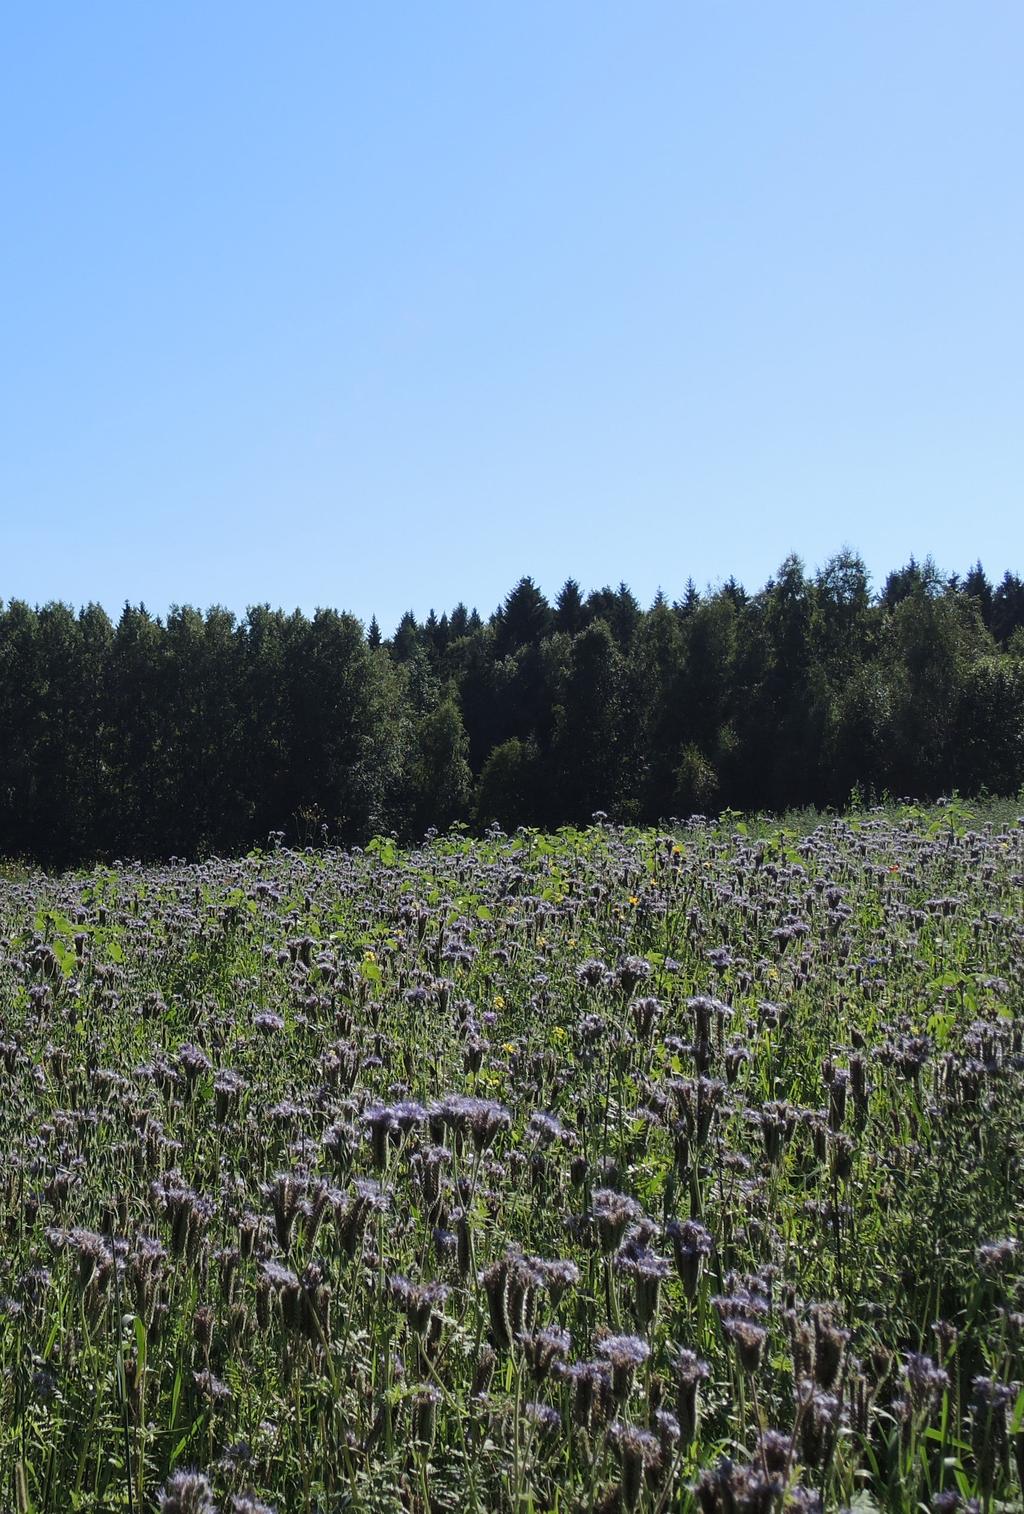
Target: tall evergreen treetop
(570, 614)
(523, 620)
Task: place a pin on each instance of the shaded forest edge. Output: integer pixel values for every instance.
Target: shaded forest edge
(201, 732)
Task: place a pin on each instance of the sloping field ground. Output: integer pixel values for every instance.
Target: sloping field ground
(602, 1170)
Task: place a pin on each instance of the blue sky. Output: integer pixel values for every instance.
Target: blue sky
(386, 306)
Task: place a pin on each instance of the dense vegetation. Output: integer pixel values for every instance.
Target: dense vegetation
(600, 1170)
(199, 733)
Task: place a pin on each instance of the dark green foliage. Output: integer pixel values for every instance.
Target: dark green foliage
(523, 620)
(589, 738)
(570, 613)
(199, 733)
(507, 789)
(1008, 608)
(439, 779)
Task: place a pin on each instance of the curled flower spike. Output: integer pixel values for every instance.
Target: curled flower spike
(187, 1493)
(624, 1354)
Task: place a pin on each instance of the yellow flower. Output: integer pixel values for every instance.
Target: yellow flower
(499, 1001)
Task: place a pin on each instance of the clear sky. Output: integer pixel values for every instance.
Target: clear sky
(386, 305)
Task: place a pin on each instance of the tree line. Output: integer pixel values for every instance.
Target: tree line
(201, 732)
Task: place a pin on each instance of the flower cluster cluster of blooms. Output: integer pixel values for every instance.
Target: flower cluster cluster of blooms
(622, 1170)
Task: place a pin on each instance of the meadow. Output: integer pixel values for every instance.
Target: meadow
(601, 1170)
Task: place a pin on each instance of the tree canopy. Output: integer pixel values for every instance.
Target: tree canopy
(198, 731)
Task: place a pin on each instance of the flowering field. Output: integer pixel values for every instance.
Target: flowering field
(604, 1170)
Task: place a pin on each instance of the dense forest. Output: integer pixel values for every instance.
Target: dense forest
(199, 732)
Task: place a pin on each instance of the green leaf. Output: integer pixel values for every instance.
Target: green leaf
(65, 956)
